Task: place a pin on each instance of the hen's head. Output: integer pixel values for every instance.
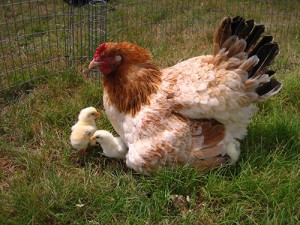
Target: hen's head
(109, 56)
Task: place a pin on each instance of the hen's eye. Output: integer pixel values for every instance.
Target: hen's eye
(97, 136)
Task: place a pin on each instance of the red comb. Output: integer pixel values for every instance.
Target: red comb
(99, 49)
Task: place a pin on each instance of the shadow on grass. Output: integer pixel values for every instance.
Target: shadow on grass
(282, 136)
(94, 159)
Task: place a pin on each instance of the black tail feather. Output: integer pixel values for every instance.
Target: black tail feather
(265, 40)
(237, 24)
(266, 55)
(274, 85)
(254, 36)
(270, 72)
(228, 36)
(248, 28)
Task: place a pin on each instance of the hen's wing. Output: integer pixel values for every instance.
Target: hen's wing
(163, 137)
(234, 77)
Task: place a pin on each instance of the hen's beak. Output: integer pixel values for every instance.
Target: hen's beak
(93, 64)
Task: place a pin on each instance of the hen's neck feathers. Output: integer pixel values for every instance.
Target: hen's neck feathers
(133, 82)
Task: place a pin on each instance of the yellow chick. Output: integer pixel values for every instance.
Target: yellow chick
(84, 129)
(113, 147)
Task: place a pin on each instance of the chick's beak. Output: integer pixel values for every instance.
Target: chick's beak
(97, 114)
(93, 138)
(93, 64)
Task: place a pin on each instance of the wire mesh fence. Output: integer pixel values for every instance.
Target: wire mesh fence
(161, 25)
(129, 20)
(39, 37)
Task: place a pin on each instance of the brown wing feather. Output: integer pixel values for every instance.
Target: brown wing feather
(207, 137)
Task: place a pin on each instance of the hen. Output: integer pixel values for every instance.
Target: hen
(194, 112)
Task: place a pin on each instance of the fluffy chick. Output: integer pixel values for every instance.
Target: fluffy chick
(84, 129)
(113, 147)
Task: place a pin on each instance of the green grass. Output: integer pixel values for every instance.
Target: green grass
(42, 182)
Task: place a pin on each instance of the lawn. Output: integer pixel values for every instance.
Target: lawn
(44, 182)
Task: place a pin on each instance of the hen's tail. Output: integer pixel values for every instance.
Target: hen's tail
(240, 45)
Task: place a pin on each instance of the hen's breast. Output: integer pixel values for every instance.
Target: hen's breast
(151, 119)
(114, 116)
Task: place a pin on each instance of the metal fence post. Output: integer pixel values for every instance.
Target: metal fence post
(97, 27)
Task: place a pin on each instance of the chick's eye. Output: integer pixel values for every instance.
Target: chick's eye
(97, 136)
